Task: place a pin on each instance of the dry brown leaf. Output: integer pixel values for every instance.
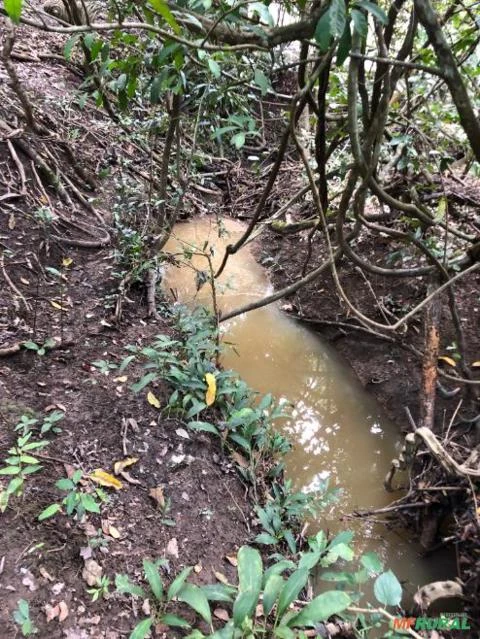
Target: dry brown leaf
(58, 306)
(127, 477)
(222, 614)
(46, 575)
(103, 478)
(28, 579)
(63, 611)
(120, 465)
(239, 459)
(232, 559)
(259, 611)
(114, 532)
(157, 495)
(51, 612)
(172, 548)
(221, 578)
(92, 571)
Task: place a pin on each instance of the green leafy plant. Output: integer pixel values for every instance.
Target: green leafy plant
(19, 465)
(101, 590)
(22, 617)
(46, 425)
(77, 501)
(40, 349)
(162, 598)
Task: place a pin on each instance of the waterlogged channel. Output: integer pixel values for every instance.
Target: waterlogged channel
(338, 431)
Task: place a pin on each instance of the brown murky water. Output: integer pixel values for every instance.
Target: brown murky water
(338, 431)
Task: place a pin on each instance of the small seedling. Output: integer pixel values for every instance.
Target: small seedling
(102, 589)
(19, 464)
(22, 617)
(77, 502)
(40, 349)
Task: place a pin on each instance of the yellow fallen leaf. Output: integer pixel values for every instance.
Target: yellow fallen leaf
(211, 389)
(447, 360)
(103, 478)
(476, 364)
(67, 261)
(113, 532)
(232, 560)
(157, 495)
(151, 399)
(121, 380)
(124, 463)
(221, 577)
(58, 306)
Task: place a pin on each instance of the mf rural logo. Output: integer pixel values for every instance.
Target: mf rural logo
(446, 621)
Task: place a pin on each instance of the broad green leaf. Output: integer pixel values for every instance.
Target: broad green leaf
(10, 470)
(322, 32)
(153, 578)
(65, 484)
(14, 485)
(284, 632)
(250, 574)
(125, 587)
(178, 582)
(344, 537)
(214, 68)
(360, 23)
(261, 81)
(338, 18)
(13, 9)
(161, 7)
(50, 511)
(374, 9)
(309, 559)
(321, 608)
(277, 569)
(344, 45)
(219, 592)
(174, 621)
(68, 48)
(371, 562)
(266, 538)
(295, 583)
(89, 503)
(196, 599)
(144, 381)
(142, 629)
(272, 589)
(244, 606)
(205, 426)
(238, 140)
(387, 589)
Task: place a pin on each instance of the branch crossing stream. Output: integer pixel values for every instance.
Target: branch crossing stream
(338, 431)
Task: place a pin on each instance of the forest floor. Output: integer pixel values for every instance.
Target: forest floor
(208, 515)
(44, 562)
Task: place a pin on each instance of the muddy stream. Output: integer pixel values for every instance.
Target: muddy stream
(338, 431)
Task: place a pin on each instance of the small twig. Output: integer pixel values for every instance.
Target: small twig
(12, 285)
